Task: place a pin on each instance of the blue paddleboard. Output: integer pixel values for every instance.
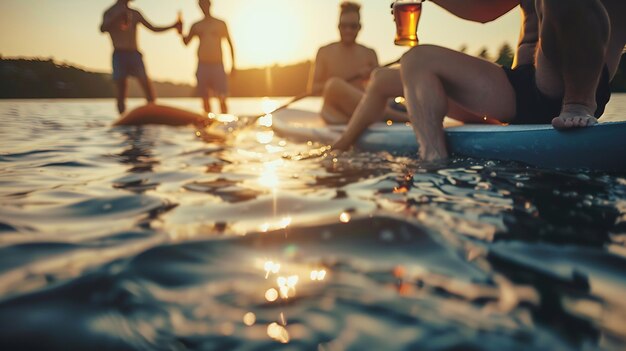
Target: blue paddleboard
(600, 148)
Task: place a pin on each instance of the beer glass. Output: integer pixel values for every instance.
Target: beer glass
(407, 16)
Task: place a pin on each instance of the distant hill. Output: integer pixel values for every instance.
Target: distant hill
(38, 78)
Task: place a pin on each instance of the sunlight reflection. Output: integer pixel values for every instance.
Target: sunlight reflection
(225, 118)
(287, 286)
(345, 217)
(318, 275)
(268, 177)
(249, 319)
(265, 137)
(271, 267)
(266, 121)
(285, 222)
(278, 333)
(271, 295)
(271, 149)
(268, 105)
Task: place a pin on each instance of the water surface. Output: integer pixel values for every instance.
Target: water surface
(158, 238)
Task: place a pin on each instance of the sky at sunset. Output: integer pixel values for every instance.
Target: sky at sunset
(264, 31)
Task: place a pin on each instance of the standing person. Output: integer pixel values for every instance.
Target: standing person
(339, 61)
(212, 79)
(121, 21)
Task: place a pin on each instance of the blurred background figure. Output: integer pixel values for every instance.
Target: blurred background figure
(121, 21)
(211, 76)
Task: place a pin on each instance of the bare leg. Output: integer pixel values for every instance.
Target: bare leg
(121, 88)
(432, 75)
(457, 112)
(223, 106)
(148, 89)
(574, 36)
(340, 100)
(206, 104)
(385, 83)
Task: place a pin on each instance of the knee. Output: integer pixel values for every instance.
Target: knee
(379, 74)
(335, 88)
(333, 84)
(383, 79)
(418, 60)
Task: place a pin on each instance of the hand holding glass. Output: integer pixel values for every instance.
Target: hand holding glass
(407, 15)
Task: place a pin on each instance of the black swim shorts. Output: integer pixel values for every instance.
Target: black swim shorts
(533, 107)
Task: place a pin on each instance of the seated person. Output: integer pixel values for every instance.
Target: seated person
(346, 60)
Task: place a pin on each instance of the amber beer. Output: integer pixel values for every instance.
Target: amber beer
(407, 14)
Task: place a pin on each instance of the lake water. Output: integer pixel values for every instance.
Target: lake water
(156, 238)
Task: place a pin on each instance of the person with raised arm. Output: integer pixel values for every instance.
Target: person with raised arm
(121, 22)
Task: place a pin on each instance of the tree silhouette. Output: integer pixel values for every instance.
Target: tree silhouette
(505, 55)
(483, 53)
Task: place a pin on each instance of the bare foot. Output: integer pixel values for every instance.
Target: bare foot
(574, 116)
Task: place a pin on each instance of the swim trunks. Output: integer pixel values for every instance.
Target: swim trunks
(211, 77)
(534, 107)
(127, 64)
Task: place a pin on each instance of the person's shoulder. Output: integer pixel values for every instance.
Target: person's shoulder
(196, 26)
(329, 47)
(136, 13)
(110, 9)
(200, 23)
(365, 48)
(219, 21)
(368, 51)
(325, 51)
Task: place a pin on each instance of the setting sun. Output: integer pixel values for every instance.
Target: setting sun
(267, 33)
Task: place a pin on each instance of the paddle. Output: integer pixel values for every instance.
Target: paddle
(305, 95)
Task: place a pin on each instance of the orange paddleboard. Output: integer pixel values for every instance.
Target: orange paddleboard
(159, 114)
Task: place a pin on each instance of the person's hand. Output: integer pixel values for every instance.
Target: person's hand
(179, 27)
(233, 71)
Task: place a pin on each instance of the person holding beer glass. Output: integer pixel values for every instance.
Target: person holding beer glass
(566, 56)
(121, 21)
(386, 84)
